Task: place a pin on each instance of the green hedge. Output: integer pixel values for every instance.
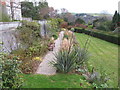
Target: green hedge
(102, 35)
(32, 25)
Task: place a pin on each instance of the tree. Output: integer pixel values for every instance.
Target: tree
(70, 18)
(67, 16)
(115, 17)
(102, 24)
(27, 9)
(115, 21)
(79, 21)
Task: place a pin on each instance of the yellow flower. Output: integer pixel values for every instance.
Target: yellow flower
(37, 58)
(63, 29)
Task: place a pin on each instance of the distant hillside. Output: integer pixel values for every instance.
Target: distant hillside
(90, 17)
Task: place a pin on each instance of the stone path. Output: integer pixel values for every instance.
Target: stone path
(45, 67)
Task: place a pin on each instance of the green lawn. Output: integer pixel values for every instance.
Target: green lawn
(104, 55)
(55, 81)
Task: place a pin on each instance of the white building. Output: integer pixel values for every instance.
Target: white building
(119, 7)
(13, 9)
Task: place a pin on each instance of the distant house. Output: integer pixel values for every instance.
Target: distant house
(12, 8)
(86, 17)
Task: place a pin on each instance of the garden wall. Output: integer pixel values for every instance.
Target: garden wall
(9, 25)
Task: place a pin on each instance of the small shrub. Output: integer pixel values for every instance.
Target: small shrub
(82, 56)
(10, 72)
(66, 36)
(53, 26)
(64, 25)
(98, 80)
(65, 61)
(3, 15)
(90, 26)
(55, 36)
(32, 25)
(38, 49)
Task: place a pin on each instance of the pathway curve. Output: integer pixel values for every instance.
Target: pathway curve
(45, 67)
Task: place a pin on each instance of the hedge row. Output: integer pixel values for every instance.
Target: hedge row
(109, 38)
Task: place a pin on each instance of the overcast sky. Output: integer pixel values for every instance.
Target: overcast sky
(85, 6)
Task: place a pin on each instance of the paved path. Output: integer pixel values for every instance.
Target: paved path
(45, 67)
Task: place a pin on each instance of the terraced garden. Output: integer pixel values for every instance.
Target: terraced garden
(103, 57)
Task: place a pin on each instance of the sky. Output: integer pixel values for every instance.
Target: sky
(85, 6)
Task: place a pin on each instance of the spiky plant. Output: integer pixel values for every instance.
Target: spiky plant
(65, 61)
(82, 55)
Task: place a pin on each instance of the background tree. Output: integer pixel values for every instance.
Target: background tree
(79, 21)
(115, 21)
(33, 11)
(102, 23)
(27, 9)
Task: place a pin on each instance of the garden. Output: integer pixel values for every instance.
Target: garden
(71, 54)
(82, 61)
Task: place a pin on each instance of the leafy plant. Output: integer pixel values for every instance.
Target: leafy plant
(3, 15)
(98, 80)
(55, 36)
(66, 36)
(65, 61)
(54, 26)
(10, 72)
(82, 56)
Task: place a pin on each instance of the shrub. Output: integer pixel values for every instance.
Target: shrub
(37, 49)
(28, 33)
(79, 21)
(82, 56)
(4, 18)
(98, 80)
(55, 36)
(10, 72)
(67, 60)
(53, 26)
(90, 26)
(3, 14)
(64, 25)
(32, 25)
(66, 36)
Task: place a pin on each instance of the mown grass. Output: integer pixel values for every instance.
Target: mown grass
(55, 81)
(104, 56)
